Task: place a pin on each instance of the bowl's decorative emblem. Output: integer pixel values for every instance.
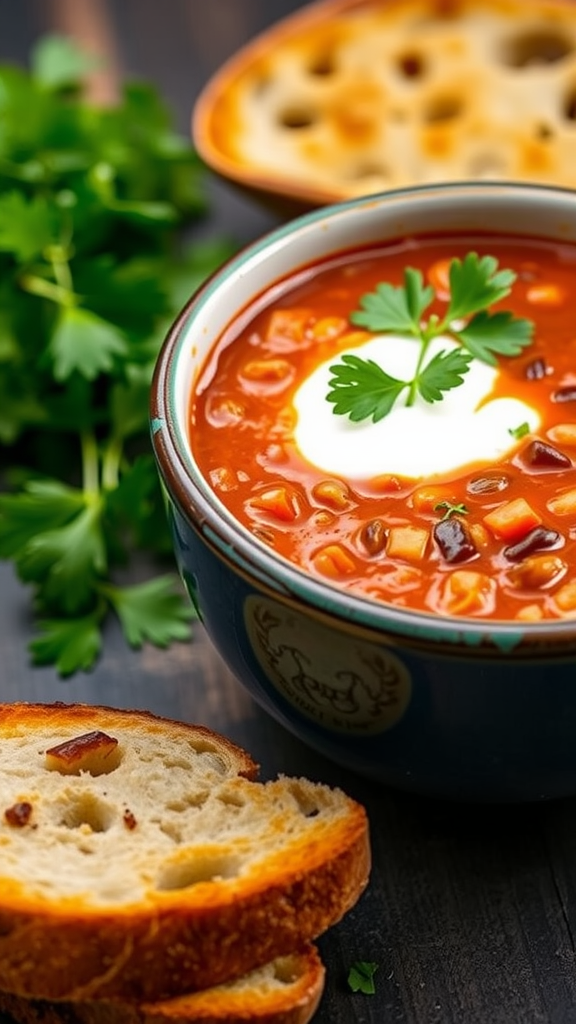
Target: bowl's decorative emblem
(339, 681)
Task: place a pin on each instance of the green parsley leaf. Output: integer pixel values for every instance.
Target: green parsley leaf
(444, 372)
(94, 205)
(41, 505)
(491, 334)
(451, 510)
(520, 431)
(153, 611)
(361, 389)
(27, 226)
(84, 343)
(361, 977)
(70, 644)
(395, 309)
(66, 561)
(475, 283)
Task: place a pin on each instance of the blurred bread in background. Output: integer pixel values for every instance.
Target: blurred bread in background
(348, 97)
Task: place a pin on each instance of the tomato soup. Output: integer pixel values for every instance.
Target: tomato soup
(410, 456)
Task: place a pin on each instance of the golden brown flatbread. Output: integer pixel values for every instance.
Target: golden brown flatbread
(351, 97)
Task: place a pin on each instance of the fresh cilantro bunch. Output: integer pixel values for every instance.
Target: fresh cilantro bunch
(93, 268)
(361, 389)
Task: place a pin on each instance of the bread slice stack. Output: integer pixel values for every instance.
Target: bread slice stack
(146, 875)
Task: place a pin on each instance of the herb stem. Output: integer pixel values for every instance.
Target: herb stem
(111, 463)
(58, 256)
(413, 386)
(90, 464)
(57, 293)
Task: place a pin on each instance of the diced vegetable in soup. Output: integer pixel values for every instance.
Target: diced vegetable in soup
(401, 422)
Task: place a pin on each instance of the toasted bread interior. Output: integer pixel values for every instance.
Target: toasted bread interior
(350, 97)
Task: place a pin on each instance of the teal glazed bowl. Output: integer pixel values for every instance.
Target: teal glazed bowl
(459, 708)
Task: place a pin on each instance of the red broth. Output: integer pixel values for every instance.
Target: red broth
(510, 553)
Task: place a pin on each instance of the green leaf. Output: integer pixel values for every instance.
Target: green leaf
(27, 226)
(491, 334)
(84, 343)
(361, 977)
(66, 561)
(520, 431)
(71, 644)
(450, 509)
(132, 294)
(391, 308)
(475, 284)
(155, 611)
(93, 203)
(445, 371)
(129, 402)
(360, 389)
(56, 62)
(41, 505)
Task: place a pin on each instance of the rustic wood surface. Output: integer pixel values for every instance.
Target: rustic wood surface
(470, 912)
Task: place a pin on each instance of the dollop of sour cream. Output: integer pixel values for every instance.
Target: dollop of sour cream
(425, 439)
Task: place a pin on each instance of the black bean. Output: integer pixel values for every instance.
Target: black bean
(564, 395)
(540, 455)
(454, 541)
(539, 539)
(536, 370)
(373, 536)
(487, 484)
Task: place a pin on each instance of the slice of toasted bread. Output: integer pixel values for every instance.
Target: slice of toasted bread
(138, 860)
(285, 991)
(347, 97)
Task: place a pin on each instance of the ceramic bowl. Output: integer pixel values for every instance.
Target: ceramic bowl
(458, 708)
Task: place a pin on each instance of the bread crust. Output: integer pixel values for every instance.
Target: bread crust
(169, 941)
(286, 992)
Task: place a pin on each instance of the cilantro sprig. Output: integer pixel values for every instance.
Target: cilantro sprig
(361, 389)
(93, 268)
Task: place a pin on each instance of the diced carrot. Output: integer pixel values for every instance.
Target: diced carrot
(546, 294)
(563, 433)
(408, 542)
(512, 520)
(333, 560)
(277, 502)
(563, 504)
(467, 592)
(426, 498)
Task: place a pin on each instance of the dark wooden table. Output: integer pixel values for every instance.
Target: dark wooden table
(471, 910)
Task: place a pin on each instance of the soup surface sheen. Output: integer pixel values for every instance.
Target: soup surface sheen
(462, 506)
